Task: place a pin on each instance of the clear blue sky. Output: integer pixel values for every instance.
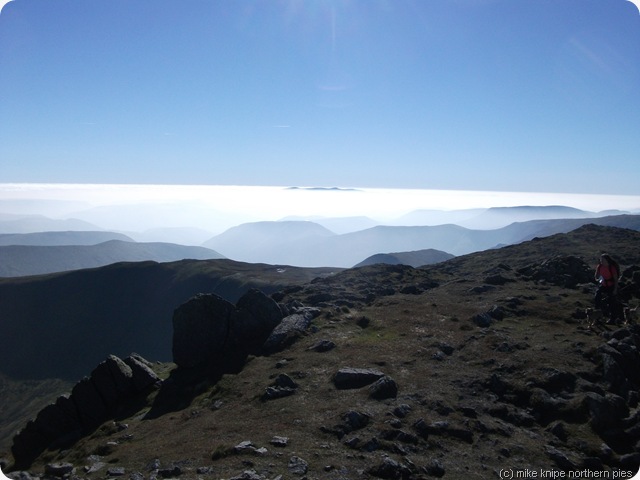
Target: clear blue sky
(521, 95)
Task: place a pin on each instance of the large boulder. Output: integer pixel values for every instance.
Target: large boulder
(200, 329)
(255, 318)
(213, 334)
(352, 378)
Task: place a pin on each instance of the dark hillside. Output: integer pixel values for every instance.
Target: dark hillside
(478, 367)
(587, 242)
(79, 317)
(417, 258)
(24, 260)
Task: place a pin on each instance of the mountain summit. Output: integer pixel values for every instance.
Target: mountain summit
(459, 370)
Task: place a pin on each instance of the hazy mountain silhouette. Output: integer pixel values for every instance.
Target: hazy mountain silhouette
(424, 217)
(311, 245)
(179, 235)
(38, 223)
(496, 217)
(143, 217)
(61, 238)
(21, 260)
(339, 225)
(287, 242)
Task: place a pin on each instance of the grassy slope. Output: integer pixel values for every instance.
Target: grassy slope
(538, 336)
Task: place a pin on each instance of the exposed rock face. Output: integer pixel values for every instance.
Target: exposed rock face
(567, 271)
(215, 335)
(92, 401)
(200, 329)
(211, 333)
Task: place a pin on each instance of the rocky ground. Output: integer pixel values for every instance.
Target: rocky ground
(479, 367)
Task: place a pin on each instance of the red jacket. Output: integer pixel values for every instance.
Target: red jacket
(609, 274)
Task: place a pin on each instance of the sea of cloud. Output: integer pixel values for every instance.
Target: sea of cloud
(218, 207)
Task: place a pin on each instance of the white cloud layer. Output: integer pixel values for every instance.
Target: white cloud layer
(217, 207)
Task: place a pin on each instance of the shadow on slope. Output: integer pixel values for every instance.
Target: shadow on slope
(79, 317)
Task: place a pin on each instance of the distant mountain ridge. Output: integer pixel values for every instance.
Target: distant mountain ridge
(297, 242)
(497, 217)
(23, 260)
(57, 238)
(284, 242)
(40, 223)
(314, 246)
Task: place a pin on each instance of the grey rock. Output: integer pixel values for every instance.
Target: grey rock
(249, 475)
(274, 393)
(401, 411)
(279, 441)
(298, 466)
(383, 388)
(482, 320)
(121, 373)
(356, 420)
(58, 469)
(286, 333)
(244, 446)
(284, 380)
(323, 346)
(94, 467)
(116, 471)
(142, 375)
(348, 378)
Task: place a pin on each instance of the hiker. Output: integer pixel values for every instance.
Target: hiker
(607, 275)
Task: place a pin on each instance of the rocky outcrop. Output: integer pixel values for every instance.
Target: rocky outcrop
(92, 401)
(211, 333)
(566, 271)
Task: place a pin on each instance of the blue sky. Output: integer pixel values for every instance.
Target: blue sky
(513, 95)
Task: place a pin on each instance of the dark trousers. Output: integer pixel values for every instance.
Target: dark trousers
(606, 300)
(603, 297)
